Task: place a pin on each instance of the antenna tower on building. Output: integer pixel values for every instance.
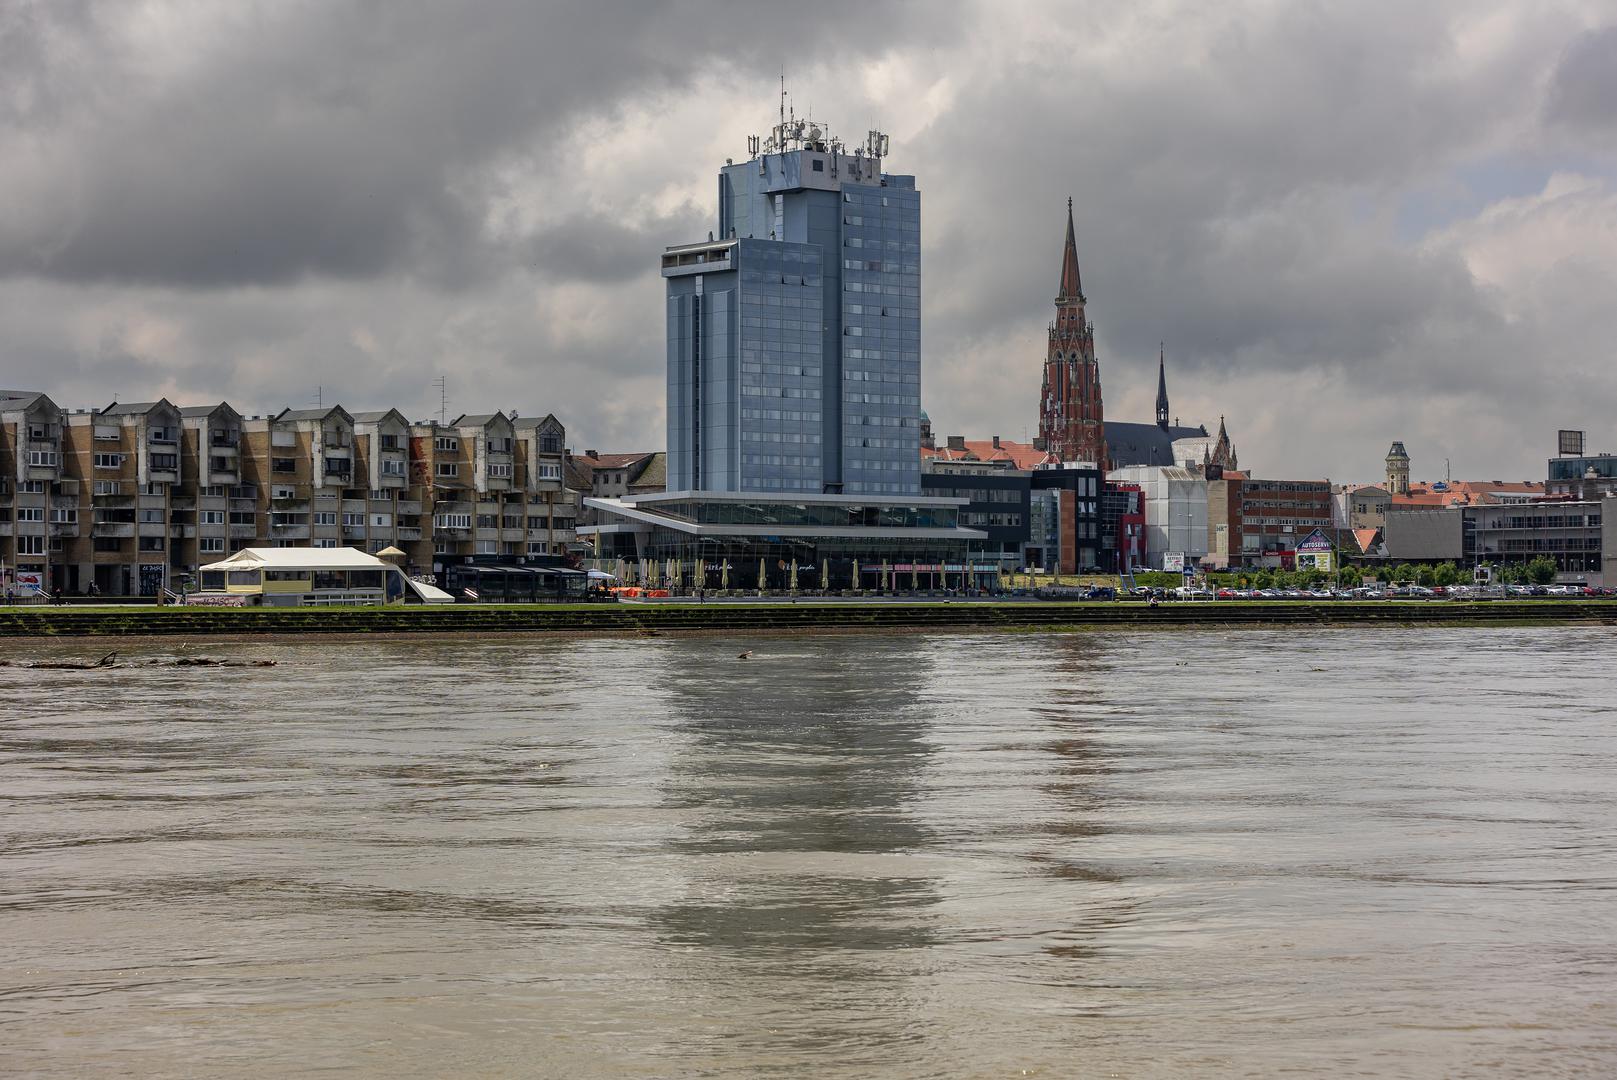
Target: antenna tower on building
(442, 383)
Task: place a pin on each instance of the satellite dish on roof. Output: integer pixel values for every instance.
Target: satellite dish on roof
(814, 134)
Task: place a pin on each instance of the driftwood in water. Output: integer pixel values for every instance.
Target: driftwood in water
(108, 660)
(111, 660)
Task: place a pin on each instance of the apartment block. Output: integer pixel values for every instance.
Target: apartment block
(1255, 522)
(127, 497)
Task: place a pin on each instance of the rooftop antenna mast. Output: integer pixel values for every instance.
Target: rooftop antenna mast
(442, 383)
(319, 401)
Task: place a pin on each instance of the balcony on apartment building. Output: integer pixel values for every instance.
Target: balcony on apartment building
(113, 529)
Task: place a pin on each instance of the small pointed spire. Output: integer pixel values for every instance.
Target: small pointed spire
(1071, 286)
(1162, 386)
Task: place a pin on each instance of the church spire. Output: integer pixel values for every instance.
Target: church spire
(1162, 387)
(1071, 287)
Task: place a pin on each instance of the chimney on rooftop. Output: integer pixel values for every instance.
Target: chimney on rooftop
(957, 442)
(996, 442)
(596, 454)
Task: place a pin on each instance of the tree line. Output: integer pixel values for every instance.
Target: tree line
(1540, 571)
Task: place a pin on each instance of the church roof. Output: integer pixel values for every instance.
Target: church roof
(1145, 444)
(1071, 286)
(1162, 383)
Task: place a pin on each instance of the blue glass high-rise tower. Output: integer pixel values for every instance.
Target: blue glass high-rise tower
(794, 338)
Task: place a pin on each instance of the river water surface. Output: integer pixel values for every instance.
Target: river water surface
(1249, 853)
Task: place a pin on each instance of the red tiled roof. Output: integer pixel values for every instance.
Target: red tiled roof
(1017, 455)
(1465, 492)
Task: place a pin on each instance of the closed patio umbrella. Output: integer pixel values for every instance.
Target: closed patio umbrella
(761, 578)
(724, 575)
(793, 583)
(856, 573)
(825, 574)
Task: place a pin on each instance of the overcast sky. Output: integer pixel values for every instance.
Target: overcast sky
(1350, 223)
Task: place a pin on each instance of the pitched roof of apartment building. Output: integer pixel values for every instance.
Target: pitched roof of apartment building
(646, 471)
(1465, 492)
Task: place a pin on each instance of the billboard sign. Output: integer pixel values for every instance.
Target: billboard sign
(29, 582)
(1314, 552)
(1173, 562)
(1569, 443)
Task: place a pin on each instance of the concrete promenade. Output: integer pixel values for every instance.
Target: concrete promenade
(785, 615)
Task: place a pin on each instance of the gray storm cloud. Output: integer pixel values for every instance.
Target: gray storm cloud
(1350, 225)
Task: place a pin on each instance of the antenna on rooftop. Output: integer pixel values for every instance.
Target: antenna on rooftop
(319, 401)
(442, 383)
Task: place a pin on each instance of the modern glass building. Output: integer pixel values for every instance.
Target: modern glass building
(794, 385)
(794, 339)
(741, 540)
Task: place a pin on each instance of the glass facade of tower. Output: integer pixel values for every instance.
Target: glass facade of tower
(745, 368)
(794, 341)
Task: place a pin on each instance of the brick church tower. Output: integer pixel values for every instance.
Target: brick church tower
(1070, 421)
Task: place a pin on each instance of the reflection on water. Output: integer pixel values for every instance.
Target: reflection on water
(1201, 853)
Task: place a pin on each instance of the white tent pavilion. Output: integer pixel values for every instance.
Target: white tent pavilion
(294, 577)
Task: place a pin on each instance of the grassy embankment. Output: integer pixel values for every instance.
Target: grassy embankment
(804, 615)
